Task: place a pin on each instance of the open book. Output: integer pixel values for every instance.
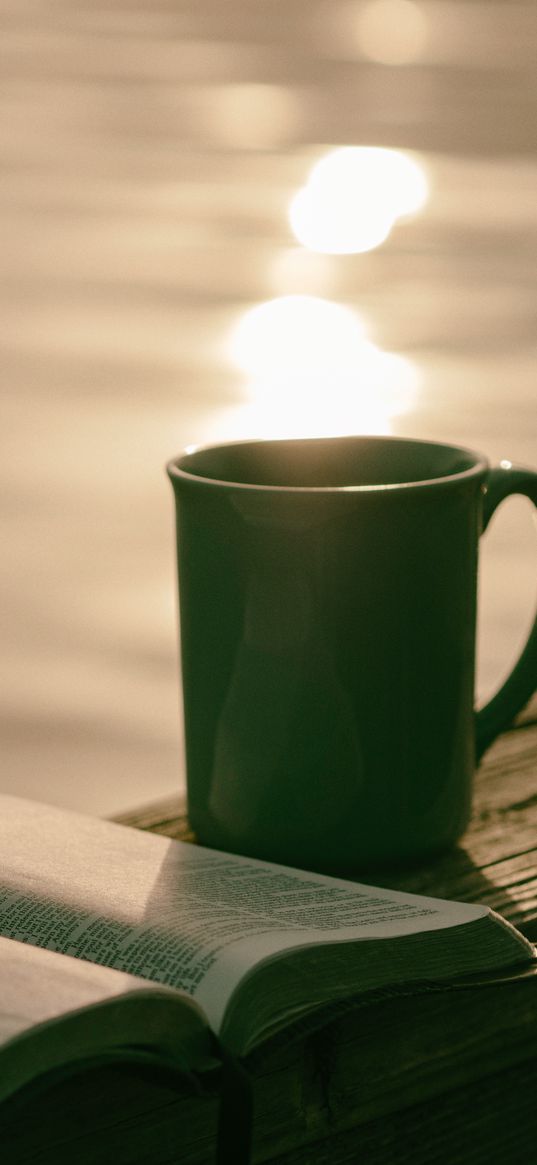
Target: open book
(119, 943)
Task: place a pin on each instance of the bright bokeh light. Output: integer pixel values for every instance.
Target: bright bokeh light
(391, 32)
(337, 222)
(313, 372)
(296, 334)
(393, 177)
(353, 196)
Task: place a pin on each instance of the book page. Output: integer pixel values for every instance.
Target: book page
(37, 986)
(179, 914)
(57, 1011)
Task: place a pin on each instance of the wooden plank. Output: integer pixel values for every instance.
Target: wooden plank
(457, 1127)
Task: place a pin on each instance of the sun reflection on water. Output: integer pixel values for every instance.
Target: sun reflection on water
(312, 371)
(353, 197)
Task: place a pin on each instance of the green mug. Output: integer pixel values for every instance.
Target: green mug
(328, 615)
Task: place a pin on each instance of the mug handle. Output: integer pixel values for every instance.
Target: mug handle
(497, 714)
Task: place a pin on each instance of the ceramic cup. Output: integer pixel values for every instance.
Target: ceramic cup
(328, 615)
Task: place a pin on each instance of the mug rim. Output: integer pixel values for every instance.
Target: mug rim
(176, 467)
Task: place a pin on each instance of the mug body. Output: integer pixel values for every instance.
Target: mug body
(327, 612)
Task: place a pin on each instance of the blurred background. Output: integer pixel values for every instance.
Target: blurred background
(251, 218)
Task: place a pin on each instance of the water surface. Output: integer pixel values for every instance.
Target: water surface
(150, 157)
